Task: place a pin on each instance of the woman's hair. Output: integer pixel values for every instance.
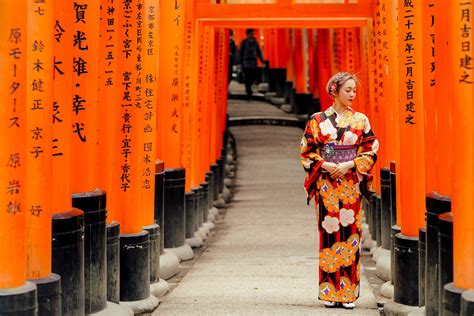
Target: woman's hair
(337, 81)
(248, 31)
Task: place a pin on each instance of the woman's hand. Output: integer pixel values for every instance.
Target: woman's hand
(341, 169)
(329, 166)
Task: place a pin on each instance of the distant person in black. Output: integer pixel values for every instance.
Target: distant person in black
(249, 52)
(232, 53)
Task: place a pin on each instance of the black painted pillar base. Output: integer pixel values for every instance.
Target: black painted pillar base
(113, 262)
(445, 258)
(68, 259)
(197, 193)
(288, 89)
(406, 270)
(224, 164)
(159, 199)
(174, 208)
(315, 106)
(385, 219)
(21, 300)
(49, 295)
(154, 251)
(378, 219)
(395, 230)
(220, 182)
(205, 201)
(451, 303)
(215, 172)
(303, 103)
(421, 265)
(280, 79)
(134, 267)
(199, 205)
(373, 216)
(190, 210)
(93, 204)
(393, 193)
(211, 186)
(436, 205)
(467, 303)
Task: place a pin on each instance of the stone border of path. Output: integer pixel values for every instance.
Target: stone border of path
(229, 183)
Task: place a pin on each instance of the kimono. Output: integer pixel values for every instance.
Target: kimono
(339, 200)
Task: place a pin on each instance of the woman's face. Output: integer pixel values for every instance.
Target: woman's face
(347, 93)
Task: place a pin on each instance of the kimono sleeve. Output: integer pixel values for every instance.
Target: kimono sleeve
(310, 158)
(367, 152)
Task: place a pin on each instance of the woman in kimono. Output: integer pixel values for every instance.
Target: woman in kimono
(338, 150)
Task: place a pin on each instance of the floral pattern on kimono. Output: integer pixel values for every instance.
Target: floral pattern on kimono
(338, 200)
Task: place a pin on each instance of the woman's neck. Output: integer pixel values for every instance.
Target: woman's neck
(339, 107)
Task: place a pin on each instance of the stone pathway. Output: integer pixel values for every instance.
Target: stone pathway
(264, 257)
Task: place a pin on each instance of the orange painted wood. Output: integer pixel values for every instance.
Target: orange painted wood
(311, 67)
(431, 104)
(189, 102)
(221, 80)
(363, 92)
(350, 49)
(38, 139)
(205, 102)
(411, 168)
(150, 97)
(339, 50)
(463, 171)
(127, 171)
(324, 58)
(299, 62)
(371, 109)
(357, 65)
(13, 87)
(85, 54)
(290, 66)
(61, 172)
(383, 89)
(285, 10)
(212, 95)
(197, 115)
(109, 86)
(282, 49)
(444, 95)
(311, 22)
(170, 83)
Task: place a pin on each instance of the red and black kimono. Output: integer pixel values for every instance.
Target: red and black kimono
(348, 136)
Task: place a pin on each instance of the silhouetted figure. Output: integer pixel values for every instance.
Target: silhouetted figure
(249, 52)
(232, 54)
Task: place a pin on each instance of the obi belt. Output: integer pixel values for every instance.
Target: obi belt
(338, 153)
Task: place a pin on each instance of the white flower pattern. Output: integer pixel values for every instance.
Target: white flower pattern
(349, 138)
(330, 224)
(346, 216)
(327, 129)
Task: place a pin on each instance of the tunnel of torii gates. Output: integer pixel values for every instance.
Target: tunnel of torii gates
(101, 96)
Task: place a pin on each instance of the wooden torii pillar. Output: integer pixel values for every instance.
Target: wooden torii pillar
(13, 52)
(412, 164)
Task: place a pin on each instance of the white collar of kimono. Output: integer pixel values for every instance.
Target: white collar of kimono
(330, 111)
